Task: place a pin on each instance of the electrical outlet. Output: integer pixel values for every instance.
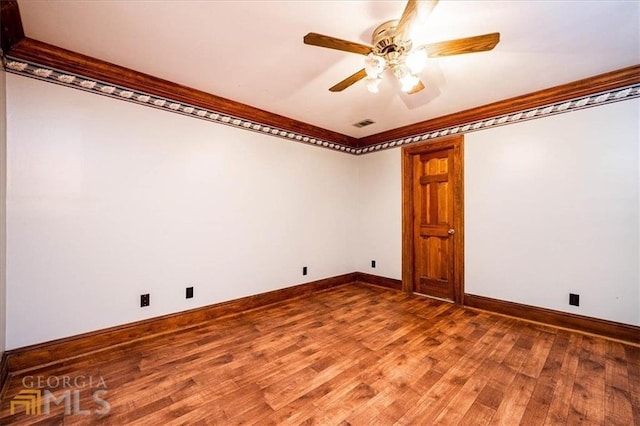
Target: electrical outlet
(189, 292)
(373, 263)
(144, 300)
(304, 270)
(574, 299)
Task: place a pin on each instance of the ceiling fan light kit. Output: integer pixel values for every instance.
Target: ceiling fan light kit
(407, 80)
(374, 65)
(390, 52)
(392, 49)
(373, 84)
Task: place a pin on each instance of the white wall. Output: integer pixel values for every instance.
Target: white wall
(3, 190)
(551, 207)
(379, 214)
(108, 200)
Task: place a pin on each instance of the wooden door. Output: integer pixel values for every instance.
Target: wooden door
(432, 184)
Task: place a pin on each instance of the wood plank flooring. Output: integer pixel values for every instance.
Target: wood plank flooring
(354, 354)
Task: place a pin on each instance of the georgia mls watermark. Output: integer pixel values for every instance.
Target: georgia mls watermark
(40, 392)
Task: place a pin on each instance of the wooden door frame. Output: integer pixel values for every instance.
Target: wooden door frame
(408, 251)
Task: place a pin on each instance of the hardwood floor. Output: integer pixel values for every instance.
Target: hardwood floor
(354, 354)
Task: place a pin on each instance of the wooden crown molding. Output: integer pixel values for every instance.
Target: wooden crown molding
(616, 330)
(50, 63)
(16, 46)
(588, 86)
(14, 43)
(65, 60)
(11, 31)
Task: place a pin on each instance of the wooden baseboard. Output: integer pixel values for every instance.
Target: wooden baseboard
(4, 373)
(378, 280)
(616, 330)
(60, 350)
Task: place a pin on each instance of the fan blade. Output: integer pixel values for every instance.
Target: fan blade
(410, 14)
(479, 43)
(329, 42)
(418, 87)
(349, 81)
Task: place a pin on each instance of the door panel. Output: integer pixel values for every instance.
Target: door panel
(432, 219)
(433, 204)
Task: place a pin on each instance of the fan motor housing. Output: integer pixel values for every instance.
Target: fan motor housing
(385, 43)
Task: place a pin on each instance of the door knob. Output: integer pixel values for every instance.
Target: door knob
(451, 231)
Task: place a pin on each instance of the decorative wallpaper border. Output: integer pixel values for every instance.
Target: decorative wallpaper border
(117, 92)
(75, 81)
(598, 99)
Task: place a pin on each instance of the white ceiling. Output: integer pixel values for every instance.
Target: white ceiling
(252, 51)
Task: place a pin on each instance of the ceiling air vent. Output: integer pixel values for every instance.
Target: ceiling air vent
(365, 122)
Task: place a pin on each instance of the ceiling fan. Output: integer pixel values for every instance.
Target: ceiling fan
(393, 49)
